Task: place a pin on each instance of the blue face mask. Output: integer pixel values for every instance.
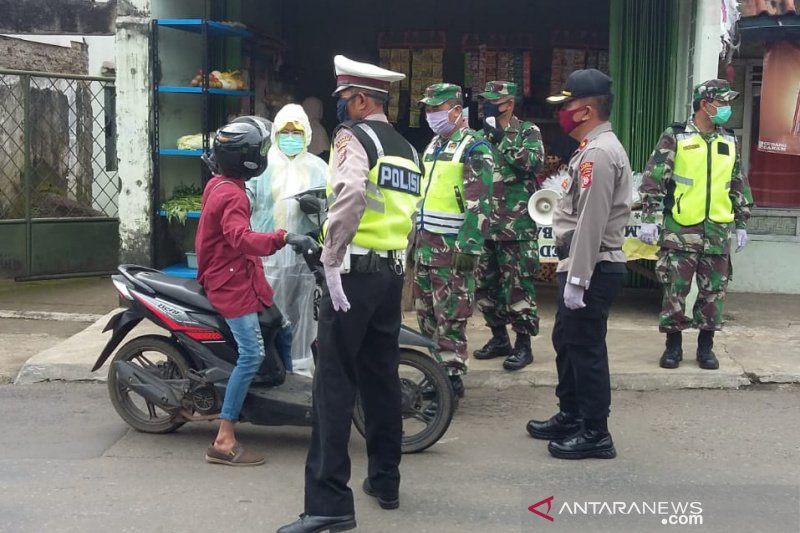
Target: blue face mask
(291, 144)
(341, 109)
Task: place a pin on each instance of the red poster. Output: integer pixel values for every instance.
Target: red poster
(779, 128)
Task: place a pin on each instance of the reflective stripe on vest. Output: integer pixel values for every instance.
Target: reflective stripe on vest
(702, 177)
(393, 190)
(442, 209)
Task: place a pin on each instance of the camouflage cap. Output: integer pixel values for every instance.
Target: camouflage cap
(439, 93)
(714, 90)
(496, 90)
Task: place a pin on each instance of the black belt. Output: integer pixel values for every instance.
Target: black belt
(369, 263)
(563, 251)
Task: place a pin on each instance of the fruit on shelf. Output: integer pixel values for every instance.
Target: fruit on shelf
(232, 79)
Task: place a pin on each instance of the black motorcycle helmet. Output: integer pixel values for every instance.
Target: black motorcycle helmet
(240, 148)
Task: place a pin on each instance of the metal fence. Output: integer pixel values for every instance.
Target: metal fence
(58, 163)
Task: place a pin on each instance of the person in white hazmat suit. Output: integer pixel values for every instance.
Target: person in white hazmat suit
(290, 170)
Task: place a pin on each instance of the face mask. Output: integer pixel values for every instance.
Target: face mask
(723, 115)
(566, 119)
(341, 109)
(291, 144)
(439, 121)
(490, 109)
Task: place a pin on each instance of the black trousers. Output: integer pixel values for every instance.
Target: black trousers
(579, 339)
(358, 351)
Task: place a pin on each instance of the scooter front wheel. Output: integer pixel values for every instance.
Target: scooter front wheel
(157, 355)
(428, 402)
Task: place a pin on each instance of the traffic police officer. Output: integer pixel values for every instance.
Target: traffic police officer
(589, 227)
(506, 293)
(374, 188)
(694, 175)
(451, 226)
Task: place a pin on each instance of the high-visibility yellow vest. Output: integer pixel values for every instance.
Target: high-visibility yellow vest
(443, 205)
(393, 189)
(702, 177)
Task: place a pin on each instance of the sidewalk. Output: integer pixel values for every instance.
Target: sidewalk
(760, 342)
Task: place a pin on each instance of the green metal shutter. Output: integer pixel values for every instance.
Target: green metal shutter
(643, 62)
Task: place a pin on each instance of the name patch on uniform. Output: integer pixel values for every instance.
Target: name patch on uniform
(691, 147)
(398, 179)
(586, 169)
(722, 149)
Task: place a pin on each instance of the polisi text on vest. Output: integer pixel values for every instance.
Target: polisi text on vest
(399, 179)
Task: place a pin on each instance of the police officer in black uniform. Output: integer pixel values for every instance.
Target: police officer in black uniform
(375, 185)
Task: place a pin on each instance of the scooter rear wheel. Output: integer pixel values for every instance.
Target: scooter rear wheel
(159, 355)
(422, 381)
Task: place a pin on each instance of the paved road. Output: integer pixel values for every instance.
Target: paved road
(69, 464)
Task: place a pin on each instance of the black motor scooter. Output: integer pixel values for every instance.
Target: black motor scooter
(157, 383)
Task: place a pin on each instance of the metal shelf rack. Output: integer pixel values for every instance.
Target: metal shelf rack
(209, 31)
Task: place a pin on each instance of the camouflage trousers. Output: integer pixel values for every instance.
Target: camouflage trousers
(675, 270)
(505, 293)
(443, 299)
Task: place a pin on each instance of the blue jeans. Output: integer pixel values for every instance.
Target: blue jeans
(247, 333)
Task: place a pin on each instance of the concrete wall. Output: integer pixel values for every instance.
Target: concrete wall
(21, 54)
(58, 17)
(134, 81)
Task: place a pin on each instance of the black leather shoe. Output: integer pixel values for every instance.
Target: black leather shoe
(558, 426)
(391, 502)
(707, 359)
(519, 358)
(320, 524)
(586, 444)
(498, 346)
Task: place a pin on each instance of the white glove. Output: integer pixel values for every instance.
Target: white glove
(573, 296)
(648, 233)
(333, 278)
(741, 239)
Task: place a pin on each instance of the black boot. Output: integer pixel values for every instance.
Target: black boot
(559, 426)
(521, 356)
(673, 355)
(458, 385)
(498, 345)
(705, 355)
(458, 389)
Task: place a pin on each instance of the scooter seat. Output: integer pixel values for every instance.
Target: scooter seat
(182, 290)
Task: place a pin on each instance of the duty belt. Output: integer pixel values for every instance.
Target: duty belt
(563, 251)
(365, 260)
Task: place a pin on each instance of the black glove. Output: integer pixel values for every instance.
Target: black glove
(463, 262)
(302, 244)
(311, 205)
(493, 135)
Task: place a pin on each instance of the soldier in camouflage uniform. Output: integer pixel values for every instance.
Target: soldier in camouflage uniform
(694, 175)
(451, 226)
(506, 293)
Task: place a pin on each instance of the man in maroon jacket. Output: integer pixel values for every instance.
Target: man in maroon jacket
(230, 268)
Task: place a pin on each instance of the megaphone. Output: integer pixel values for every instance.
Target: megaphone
(541, 206)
